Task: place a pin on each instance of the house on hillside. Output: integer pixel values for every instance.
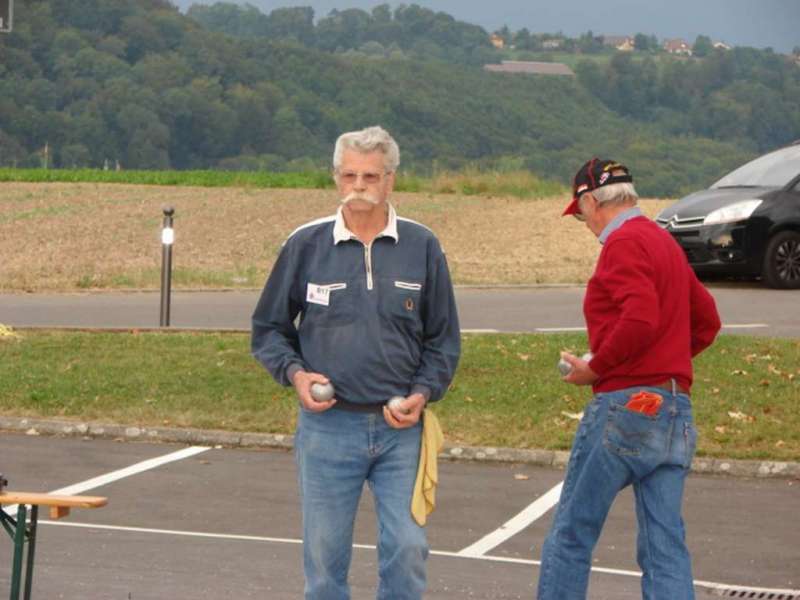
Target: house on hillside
(497, 41)
(678, 46)
(623, 43)
(553, 44)
(530, 68)
(721, 46)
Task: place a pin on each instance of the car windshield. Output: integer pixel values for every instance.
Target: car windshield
(775, 169)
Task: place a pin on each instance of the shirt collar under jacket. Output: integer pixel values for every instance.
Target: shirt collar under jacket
(342, 234)
(618, 221)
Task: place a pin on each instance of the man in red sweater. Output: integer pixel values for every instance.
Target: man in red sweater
(647, 316)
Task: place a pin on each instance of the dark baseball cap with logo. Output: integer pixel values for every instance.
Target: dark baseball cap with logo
(593, 174)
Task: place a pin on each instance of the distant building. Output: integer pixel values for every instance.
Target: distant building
(530, 68)
(497, 41)
(553, 44)
(721, 46)
(678, 46)
(623, 43)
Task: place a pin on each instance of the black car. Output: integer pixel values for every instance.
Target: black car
(747, 223)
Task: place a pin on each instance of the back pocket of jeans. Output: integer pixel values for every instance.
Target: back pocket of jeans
(628, 433)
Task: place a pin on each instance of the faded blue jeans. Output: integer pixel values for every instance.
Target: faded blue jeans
(337, 451)
(613, 448)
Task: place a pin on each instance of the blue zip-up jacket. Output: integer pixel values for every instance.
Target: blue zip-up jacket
(378, 320)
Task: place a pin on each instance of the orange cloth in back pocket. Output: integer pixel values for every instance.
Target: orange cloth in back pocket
(645, 402)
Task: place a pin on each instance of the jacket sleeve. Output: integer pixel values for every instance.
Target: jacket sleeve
(274, 341)
(705, 321)
(441, 344)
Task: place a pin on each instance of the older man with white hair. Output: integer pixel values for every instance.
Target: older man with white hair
(377, 319)
(647, 316)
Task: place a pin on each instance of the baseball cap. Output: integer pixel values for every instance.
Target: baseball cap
(593, 174)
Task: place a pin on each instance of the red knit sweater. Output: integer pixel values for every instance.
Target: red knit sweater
(646, 312)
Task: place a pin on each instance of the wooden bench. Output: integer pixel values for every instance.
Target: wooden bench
(22, 531)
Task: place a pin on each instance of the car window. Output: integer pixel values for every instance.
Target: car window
(775, 169)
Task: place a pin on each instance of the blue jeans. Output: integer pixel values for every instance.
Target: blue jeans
(337, 451)
(615, 447)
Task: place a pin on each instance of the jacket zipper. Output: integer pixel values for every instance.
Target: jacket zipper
(368, 262)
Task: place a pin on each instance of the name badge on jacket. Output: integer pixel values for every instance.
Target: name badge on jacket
(321, 294)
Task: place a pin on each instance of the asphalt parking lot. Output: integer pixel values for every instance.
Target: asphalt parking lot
(224, 523)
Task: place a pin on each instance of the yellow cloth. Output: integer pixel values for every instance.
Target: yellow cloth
(424, 499)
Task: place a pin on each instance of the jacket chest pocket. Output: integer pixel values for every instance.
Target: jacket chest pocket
(329, 304)
(401, 301)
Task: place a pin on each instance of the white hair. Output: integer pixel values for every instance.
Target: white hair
(366, 141)
(616, 193)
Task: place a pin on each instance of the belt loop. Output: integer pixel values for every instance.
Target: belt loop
(674, 407)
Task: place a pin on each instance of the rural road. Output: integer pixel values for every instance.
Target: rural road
(745, 308)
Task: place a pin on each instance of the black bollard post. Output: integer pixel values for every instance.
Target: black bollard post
(167, 238)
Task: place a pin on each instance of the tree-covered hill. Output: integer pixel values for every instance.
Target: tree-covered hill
(743, 95)
(90, 82)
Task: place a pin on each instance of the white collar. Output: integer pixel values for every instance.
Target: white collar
(342, 234)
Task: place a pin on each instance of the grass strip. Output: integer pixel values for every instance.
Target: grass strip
(469, 182)
(314, 179)
(506, 392)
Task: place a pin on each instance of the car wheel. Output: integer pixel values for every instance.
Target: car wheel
(782, 261)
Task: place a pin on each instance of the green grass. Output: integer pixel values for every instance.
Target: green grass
(470, 181)
(473, 181)
(506, 392)
(315, 180)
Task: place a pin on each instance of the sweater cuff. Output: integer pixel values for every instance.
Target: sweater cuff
(418, 388)
(291, 370)
(598, 365)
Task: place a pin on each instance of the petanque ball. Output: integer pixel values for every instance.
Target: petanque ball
(394, 403)
(322, 392)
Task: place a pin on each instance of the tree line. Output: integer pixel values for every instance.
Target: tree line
(408, 31)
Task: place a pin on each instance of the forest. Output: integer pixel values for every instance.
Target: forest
(138, 85)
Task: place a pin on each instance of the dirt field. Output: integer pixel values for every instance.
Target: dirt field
(82, 236)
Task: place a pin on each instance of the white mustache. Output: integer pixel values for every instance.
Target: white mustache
(360, 196)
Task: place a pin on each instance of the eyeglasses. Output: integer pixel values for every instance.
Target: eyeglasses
(370, 178)
(579, 215)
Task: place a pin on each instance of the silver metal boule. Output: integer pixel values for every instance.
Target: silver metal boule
(321, 392)
(565, 368)
(394, 403)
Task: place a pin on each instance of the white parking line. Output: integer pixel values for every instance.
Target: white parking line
(516, 524)
(480, 331)
(102, 480)
(720, 587)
